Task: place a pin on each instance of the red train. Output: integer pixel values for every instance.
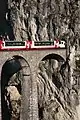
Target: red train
(29, 45)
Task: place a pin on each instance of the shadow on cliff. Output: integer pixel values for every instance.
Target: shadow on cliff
(5, 26)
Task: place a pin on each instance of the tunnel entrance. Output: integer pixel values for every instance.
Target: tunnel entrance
(5, 25)
(15, 89)
(49, 83)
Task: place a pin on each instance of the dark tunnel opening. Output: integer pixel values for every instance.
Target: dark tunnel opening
(5, 25)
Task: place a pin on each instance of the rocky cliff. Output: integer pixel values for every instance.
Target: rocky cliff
(42, 20)
(45, 20)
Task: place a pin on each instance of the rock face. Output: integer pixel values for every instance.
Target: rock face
(15, 100)
(58, 96)
(45, 20)
(42, 20)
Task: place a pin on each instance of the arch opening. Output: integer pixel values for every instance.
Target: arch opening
(15, 88)
(54, 56)
(49, 83)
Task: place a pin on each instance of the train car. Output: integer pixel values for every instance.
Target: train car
(13, 45)
(29, 45)
(62, 44)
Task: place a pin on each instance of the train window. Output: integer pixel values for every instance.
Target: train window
(59, 42)
(62, 42)
(45, 43)
(12, 43)
(2, 44)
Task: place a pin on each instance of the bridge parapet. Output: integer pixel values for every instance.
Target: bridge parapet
(32, 57)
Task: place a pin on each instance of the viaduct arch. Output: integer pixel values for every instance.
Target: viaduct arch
(15, 84)
(33, 58)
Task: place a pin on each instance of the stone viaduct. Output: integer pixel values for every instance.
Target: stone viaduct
(33, 59)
